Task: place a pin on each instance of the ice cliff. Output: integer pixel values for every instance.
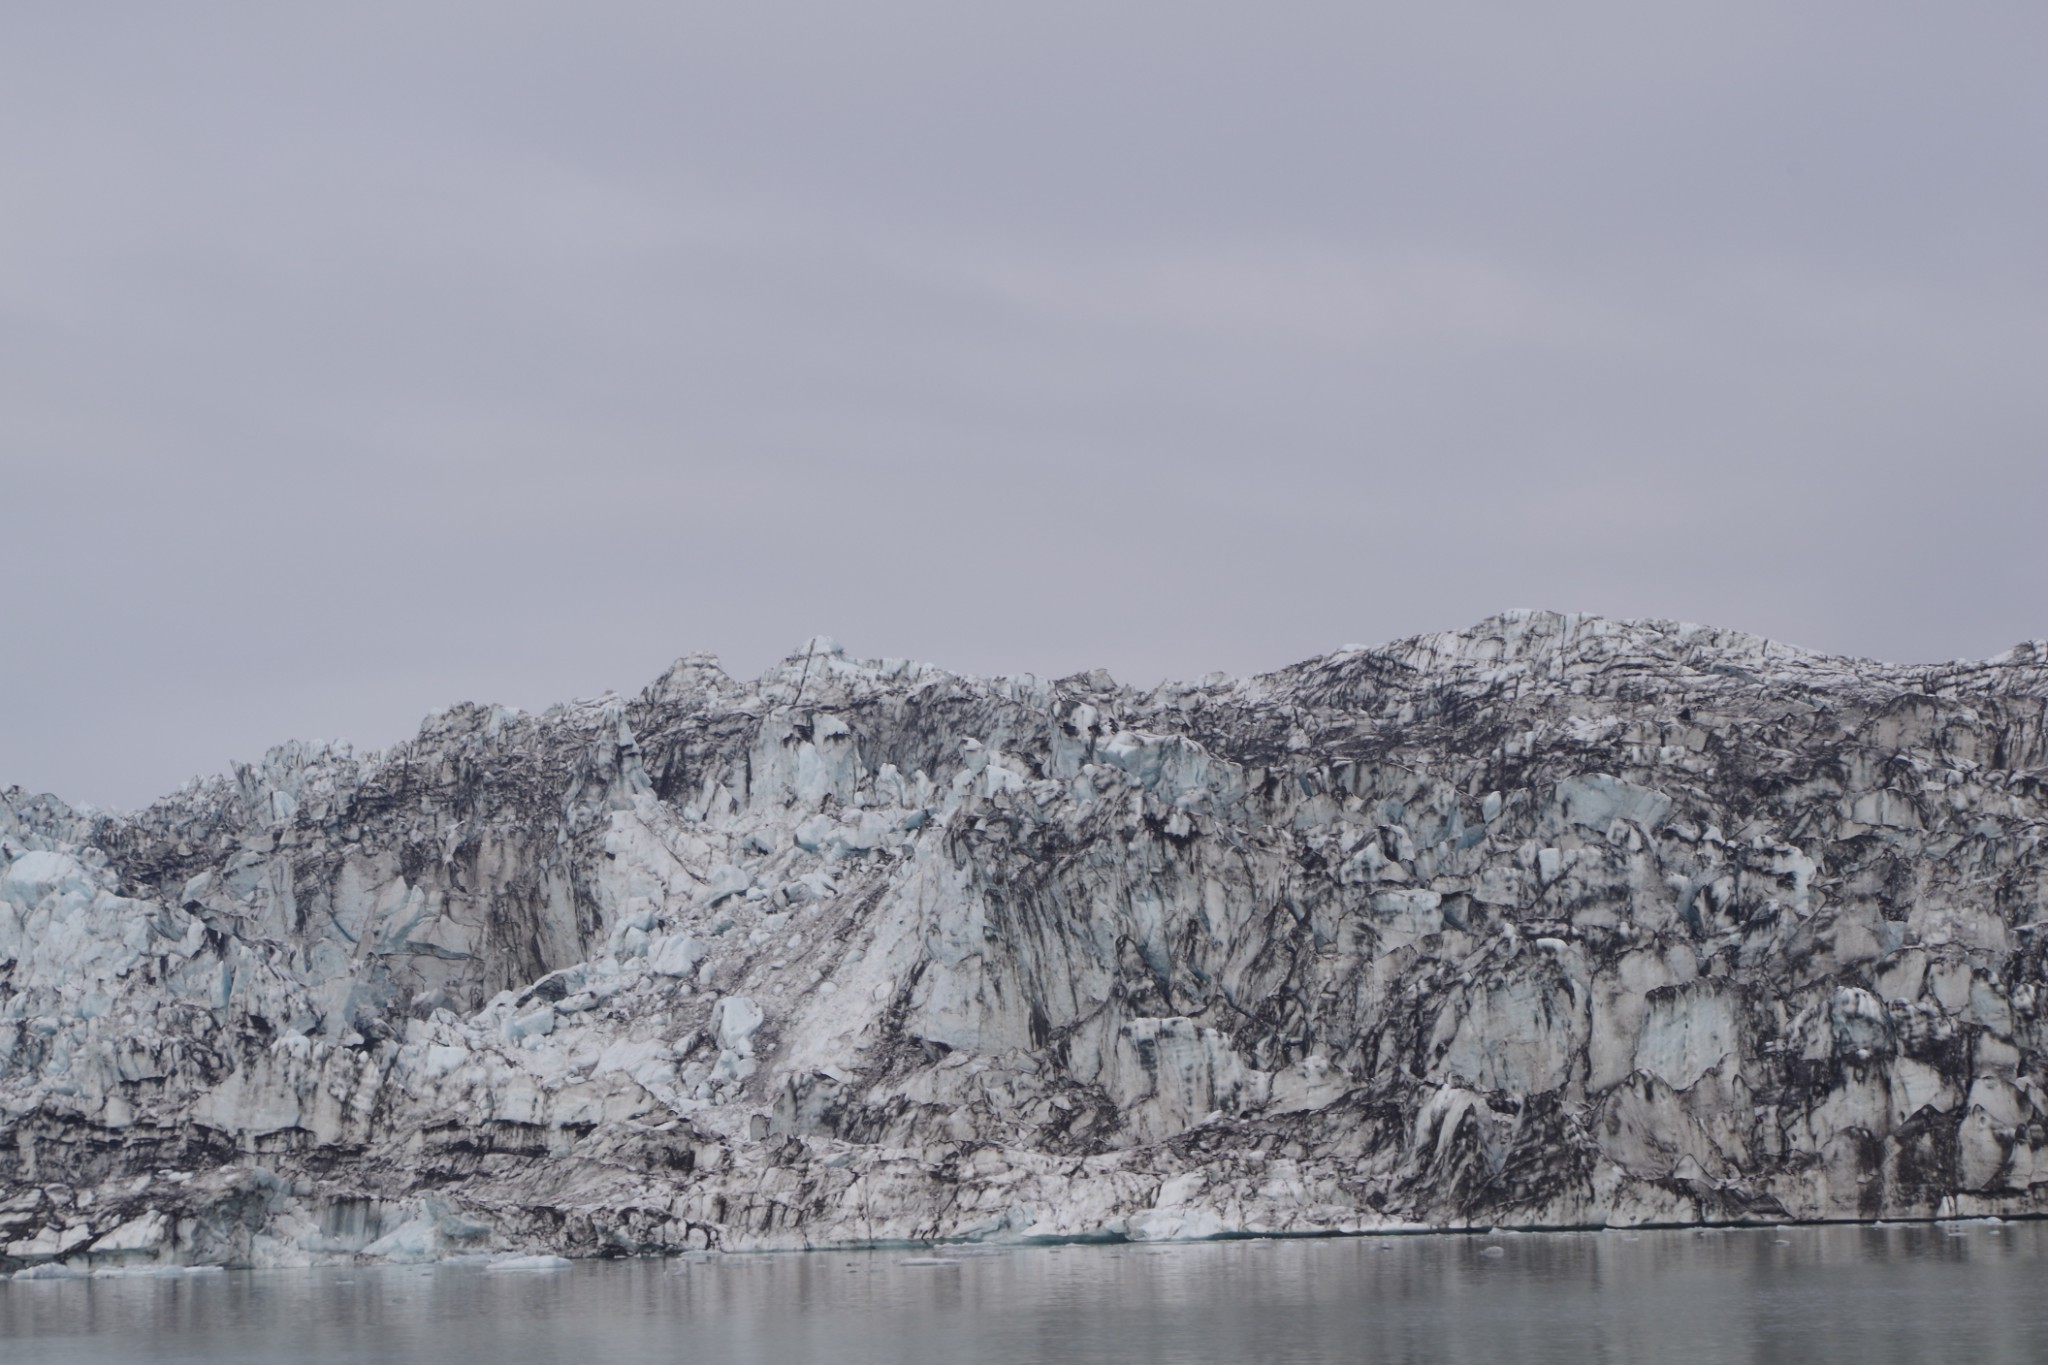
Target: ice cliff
(1552, 921)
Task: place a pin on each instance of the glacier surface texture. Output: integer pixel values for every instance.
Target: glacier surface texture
(1557, 921)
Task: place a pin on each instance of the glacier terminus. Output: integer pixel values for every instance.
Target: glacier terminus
(1557, 921)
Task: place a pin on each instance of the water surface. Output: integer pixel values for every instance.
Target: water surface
(1870, 1295)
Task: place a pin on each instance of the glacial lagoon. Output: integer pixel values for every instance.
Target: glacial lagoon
(1874, 1295)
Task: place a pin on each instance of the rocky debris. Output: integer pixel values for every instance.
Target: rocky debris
(1553, 921)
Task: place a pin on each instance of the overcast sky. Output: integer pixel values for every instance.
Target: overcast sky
(359, 359)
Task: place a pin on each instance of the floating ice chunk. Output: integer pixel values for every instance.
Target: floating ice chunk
(418, 1240)
(55, 1270)
(531, 1263)
(1173, 1225)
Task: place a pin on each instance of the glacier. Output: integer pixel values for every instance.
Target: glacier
(1557, 921)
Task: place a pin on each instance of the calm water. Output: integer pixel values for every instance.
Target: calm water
(1869, 1295)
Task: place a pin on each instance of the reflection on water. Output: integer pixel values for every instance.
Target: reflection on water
(1874, 1295)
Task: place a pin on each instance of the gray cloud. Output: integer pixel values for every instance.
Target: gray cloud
(358, 364)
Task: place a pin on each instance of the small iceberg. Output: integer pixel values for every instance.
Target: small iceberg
(51, 1270)
(530, 1263)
